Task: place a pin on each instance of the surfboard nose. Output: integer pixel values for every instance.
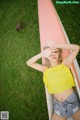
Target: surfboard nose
(50, 26)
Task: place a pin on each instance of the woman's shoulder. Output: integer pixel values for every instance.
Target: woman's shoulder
(65, 63)
(47, 70)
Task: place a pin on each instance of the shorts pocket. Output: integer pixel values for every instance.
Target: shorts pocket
(73, 98)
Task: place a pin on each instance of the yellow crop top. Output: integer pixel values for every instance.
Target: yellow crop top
(58, 79)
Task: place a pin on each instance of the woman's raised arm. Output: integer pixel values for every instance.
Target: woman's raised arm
(74, 49)
(32, 62)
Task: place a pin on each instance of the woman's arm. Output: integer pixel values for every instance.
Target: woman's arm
(34, 59)
(74, 51)
(32, 62)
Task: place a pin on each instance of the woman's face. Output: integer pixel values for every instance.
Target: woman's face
(54, 56)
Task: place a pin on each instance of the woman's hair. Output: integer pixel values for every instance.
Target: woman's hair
(47, 62)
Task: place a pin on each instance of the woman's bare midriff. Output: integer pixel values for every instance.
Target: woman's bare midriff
(64, 95)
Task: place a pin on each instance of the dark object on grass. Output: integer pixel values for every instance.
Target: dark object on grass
(20, 26)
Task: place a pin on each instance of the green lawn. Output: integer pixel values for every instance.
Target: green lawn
(21, 88)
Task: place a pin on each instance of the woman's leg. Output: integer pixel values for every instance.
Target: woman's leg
(76, 116)
(57, 117)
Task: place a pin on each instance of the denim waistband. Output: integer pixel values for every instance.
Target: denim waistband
(70, 98)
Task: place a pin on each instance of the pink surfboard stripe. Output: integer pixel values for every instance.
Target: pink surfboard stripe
(50, 28)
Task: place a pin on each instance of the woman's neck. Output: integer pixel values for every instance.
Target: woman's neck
(54, 63)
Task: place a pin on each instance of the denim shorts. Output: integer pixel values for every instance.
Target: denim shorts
(68, 107)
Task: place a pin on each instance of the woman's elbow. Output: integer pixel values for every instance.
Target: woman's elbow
(28, 63)
(78, 48)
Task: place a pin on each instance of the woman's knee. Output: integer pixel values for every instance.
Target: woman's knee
(76, 116)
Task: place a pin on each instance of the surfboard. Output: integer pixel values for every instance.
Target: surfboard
(51, 28)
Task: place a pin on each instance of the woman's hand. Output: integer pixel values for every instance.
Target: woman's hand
(50, 44)
(46, 53)
(48, 48)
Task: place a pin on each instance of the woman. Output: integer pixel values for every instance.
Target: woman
(58, 79)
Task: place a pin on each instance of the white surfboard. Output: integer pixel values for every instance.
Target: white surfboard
(51, 28)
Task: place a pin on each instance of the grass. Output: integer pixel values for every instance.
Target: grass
(21, 88)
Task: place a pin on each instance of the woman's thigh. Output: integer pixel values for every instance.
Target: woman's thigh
(76, 116)
(57, 117)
